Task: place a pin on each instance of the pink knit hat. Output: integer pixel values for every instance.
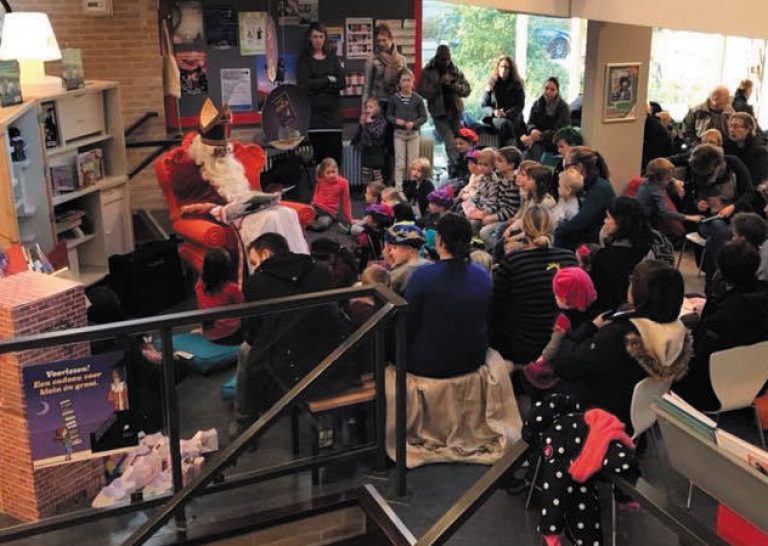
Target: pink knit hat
(574, 287)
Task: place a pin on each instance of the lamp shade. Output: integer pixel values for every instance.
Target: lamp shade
(28, 35)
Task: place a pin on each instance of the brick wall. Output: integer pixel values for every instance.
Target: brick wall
(34, 303)
(125, 48)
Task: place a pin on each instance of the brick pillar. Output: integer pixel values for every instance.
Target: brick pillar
(32, 303)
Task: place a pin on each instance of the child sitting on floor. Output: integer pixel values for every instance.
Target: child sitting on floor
(331, 196)
(419, 186)
(574, 294)
(215, 288)
(569, 185)
(372, 196)
(378, 217)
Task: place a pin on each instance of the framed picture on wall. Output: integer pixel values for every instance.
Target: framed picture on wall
(620, 98)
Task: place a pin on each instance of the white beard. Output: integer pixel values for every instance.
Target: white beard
(226, 174)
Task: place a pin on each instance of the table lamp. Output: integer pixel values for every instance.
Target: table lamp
(28, 37)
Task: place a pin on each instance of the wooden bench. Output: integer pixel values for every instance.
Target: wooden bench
(362, 396)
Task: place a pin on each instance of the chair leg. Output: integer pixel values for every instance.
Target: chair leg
(701, 261)
(682, 252)
(533, 482)
(315, 431)
(690, 495)
(759, 426)
(614, 518)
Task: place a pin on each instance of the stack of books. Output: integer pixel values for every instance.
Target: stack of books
(697, 421)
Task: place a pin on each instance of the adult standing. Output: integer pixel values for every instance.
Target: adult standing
(710, 114)
(320, 75)
(595, 198)
(549, 114)
(503, 101)
(523, 307)
(381, 78)
(443, 85)
(448, 305)
(740, 101)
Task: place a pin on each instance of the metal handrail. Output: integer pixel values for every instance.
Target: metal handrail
(139, 122)
(391, 304)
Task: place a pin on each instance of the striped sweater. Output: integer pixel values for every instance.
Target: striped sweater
(523, 307)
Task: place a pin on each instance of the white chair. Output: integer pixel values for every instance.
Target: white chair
(737, 375)
(642, 417)
(696, 239)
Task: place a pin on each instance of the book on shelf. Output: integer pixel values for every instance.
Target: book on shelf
(699, 422)
(69, 219)
(741, 449)
(64, 177)
(50, 124)
(10, 86)
(90, 167)
(72, 69)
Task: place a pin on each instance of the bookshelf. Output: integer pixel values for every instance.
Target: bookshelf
(71, 184)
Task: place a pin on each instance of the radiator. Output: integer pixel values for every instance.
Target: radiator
(350, 168)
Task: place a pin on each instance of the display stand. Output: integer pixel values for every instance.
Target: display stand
(724, 477)
(33, 303)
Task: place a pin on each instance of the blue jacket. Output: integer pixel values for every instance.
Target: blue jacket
(448, 304)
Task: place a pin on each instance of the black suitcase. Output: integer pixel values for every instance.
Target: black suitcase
(149, 279)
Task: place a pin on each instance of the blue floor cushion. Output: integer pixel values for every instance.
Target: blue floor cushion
(201, 355)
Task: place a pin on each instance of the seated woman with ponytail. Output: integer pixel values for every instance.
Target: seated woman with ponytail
(523, 307)
(448, 305)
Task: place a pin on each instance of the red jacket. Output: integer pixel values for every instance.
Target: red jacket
(330, 195)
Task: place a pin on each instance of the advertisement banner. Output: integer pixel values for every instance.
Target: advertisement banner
(77, 409)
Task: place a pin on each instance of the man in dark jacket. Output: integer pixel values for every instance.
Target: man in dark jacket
(743, 144)
(443, 85)
(719, 186)
(280, 349)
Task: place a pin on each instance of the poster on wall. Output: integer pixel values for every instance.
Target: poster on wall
(298, 12)
(336, 40)
(190, 28)
(221, 27)
(236, 89)
(359, 37)
(285, 73)
(77, 409)
(620, 99)
(253, 32)
(194, 72)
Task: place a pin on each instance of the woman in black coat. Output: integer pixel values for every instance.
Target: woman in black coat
(503, 101)
(627, 240)
(602, 361)
(738, 316)
(320, 75)
(548, 114)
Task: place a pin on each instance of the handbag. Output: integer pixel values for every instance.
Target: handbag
(171, 73)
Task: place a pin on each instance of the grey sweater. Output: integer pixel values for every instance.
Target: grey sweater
(413, 111)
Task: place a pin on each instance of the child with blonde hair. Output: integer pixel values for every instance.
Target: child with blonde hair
(569, 184)
(331, 196)
(419, 185)
(406, 112)
(370, 138)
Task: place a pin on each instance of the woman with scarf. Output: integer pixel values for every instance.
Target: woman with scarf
(503, 101)
(548, 114)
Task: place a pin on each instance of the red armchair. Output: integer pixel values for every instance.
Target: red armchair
(200, 233)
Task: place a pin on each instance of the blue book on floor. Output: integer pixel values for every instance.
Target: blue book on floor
(228, 388)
